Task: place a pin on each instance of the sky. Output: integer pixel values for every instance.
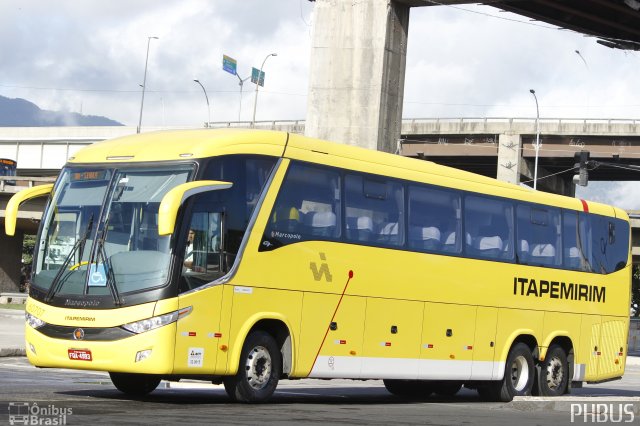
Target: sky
(462, 61)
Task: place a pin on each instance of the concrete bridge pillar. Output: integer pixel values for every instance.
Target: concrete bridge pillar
(509, 157)
(10, 261)
(356, 86)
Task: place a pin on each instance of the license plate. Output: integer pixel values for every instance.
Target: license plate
(80, 355)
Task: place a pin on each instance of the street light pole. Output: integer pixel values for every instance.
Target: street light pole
(144, 81)
(255, 100)
(207, 98)
(537, 146)
(241, 83)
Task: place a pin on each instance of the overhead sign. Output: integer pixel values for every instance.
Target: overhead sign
(229, 64)
(254, 77)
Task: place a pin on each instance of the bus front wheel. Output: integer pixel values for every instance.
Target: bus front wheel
(259, 370)
(135, 384)
(554, 372)
(518, 376)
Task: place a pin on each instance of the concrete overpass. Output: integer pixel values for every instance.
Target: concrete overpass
(358, 57)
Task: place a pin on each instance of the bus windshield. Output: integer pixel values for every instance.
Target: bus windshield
(100, 234)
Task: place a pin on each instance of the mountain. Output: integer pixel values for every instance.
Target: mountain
(22, 113)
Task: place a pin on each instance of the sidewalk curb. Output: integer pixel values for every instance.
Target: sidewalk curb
(11, 312)
(7, 352)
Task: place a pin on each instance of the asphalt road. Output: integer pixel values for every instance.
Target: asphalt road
(79, 398)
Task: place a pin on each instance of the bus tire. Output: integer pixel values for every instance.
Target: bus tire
(553, 373)
(135, 384)
(409, 388)
(259, 370)
(519, 375)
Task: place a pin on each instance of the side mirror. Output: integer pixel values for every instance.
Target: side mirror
(173, 199)
(11, 212)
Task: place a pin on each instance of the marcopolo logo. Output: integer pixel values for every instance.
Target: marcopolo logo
(602, 413)
(24, 413)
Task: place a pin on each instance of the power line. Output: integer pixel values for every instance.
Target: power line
(552, 174)
(504, 18)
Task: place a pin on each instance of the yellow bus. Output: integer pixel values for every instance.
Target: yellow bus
(245, 257)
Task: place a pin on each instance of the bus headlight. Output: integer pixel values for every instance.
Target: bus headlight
(156, 322)
(33, 321)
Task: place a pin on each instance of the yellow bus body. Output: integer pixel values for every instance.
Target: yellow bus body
(403, 314)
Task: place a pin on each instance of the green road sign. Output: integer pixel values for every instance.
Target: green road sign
(254, 77)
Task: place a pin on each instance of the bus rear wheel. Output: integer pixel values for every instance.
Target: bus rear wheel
(259, 370)
(135, 384)
(409, 388)
(519, 374)
(553, 376)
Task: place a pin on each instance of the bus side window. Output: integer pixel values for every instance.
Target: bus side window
(539, 233)
(489, 223)
(308, 207)
(434, 220)
(574, 251)
(374, 210)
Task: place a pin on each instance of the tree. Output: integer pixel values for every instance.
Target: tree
(28, 244)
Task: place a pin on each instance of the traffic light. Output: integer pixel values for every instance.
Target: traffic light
(582, 161)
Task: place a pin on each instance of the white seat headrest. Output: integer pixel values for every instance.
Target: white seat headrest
(322, 219)
(487, 243)
(364, 223)
(545, 250)
(390, 228)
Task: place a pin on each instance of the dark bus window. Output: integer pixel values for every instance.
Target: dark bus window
(618, 244)
(307, 208)
(610, 244)
(374, 210)
(574, 246)
(539, 241)
(488, 228)
(434, 220)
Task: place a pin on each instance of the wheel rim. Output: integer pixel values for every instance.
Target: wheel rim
(555, 374)
(258, 367)
(519, 373)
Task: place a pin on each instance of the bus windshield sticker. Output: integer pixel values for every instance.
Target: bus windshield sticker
(97, 276)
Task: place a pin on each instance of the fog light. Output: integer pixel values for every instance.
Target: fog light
(33, 349)
(142, 355)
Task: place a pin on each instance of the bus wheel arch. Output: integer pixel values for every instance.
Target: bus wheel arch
(554, 373)
(259, 369)
(280, 332)
(519, 372)
(274, 325)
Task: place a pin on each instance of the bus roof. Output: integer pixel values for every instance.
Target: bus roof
(192, 144)
(171, 145)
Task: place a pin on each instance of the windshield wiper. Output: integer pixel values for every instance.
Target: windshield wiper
(111, 279)
(59, 279)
